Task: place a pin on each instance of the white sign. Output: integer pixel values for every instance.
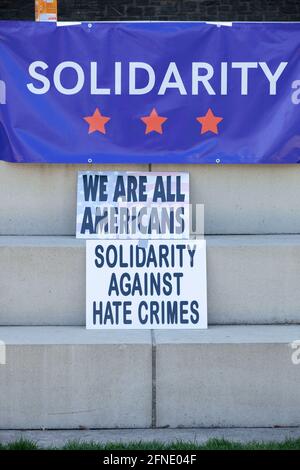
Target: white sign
(132, 205)
(146, 284)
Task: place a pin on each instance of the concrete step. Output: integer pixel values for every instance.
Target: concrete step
(228, 376)
(68, 377)
(238, 199)
(41, 199)
(245, 199)
(251, 280)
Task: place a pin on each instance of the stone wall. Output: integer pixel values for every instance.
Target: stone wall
(164, 10)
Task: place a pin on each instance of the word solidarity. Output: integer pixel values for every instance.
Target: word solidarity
(161, 256)
(199, 80)
(150, 285)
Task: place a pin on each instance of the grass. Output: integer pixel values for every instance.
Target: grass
(212, 444)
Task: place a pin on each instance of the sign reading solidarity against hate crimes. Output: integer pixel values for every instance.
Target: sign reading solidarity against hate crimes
(149, 92)
(132, 205)
(146, 284)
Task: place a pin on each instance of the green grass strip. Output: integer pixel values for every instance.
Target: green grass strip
(212, 444)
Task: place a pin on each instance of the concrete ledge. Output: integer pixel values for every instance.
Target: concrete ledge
(228, 376)
(68, 377)
(44, 281)
(238, 199)
(245, 199)
(251, 279)
(41, 199)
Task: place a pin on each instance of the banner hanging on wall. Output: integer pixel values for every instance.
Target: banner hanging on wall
(149, 92)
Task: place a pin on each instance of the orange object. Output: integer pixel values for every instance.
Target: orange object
(45, 10)
(153, 122)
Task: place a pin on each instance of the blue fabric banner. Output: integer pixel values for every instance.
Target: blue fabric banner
(149, 92)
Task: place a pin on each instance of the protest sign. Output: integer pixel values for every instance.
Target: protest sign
(132, 205)
(146, 284)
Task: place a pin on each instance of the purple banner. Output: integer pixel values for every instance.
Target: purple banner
(149, 92)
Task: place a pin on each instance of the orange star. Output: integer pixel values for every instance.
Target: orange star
(209, 122)
(97, 122)
(153, 122)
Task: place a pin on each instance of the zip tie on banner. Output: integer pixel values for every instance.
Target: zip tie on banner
(68, 23)
(220, 23)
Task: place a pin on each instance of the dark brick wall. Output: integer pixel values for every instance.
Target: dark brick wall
(120, 10)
